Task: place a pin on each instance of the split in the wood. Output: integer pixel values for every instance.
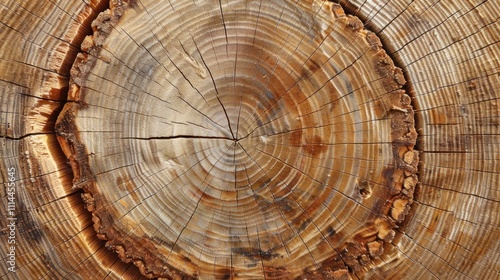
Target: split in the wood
(324, 170)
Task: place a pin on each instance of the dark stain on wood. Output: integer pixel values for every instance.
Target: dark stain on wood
(334, 104)
(186, 259)
(296, 137)
(387, 173)
(252, 265)
(331, 231)
(226, 276)
(304, 225)
(364, 189)
(275, 273)
(285, 205)
(27, 223)
(255, 253)
(313, 66)
(314, 146)
(260, 184)
(132, 3)
(262, 202)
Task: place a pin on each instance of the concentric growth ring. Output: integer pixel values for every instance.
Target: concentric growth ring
(240, 139)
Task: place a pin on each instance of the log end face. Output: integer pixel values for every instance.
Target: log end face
(270, 152)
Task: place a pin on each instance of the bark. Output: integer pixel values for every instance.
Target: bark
(249, 139)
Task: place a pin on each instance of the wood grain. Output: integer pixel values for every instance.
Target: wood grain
(251, 140)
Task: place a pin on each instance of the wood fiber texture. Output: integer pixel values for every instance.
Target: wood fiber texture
(241, 139)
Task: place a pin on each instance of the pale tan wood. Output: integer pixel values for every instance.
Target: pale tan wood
(53, 233)
(448, 49)
(251, 152)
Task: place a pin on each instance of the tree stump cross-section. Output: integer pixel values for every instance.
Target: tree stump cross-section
(261, 140)
(240, 139)
(249, 139)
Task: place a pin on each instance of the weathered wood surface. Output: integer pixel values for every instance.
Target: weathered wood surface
(448, 49)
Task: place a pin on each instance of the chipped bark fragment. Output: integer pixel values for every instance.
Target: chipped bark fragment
(410, 182)
(375, 249)
(373, 40)
(338, 11)
(341, 274)
(354, 23)
(410, 157)
(399, 209)
(89, 201)
(384, 227)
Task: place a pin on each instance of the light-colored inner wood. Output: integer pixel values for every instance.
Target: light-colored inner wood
(247, 133)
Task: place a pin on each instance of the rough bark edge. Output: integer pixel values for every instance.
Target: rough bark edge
(360, 252)
(78, 157)
(142, 253)
(352, 259)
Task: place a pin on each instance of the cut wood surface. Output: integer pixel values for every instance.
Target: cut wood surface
(240, 139)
